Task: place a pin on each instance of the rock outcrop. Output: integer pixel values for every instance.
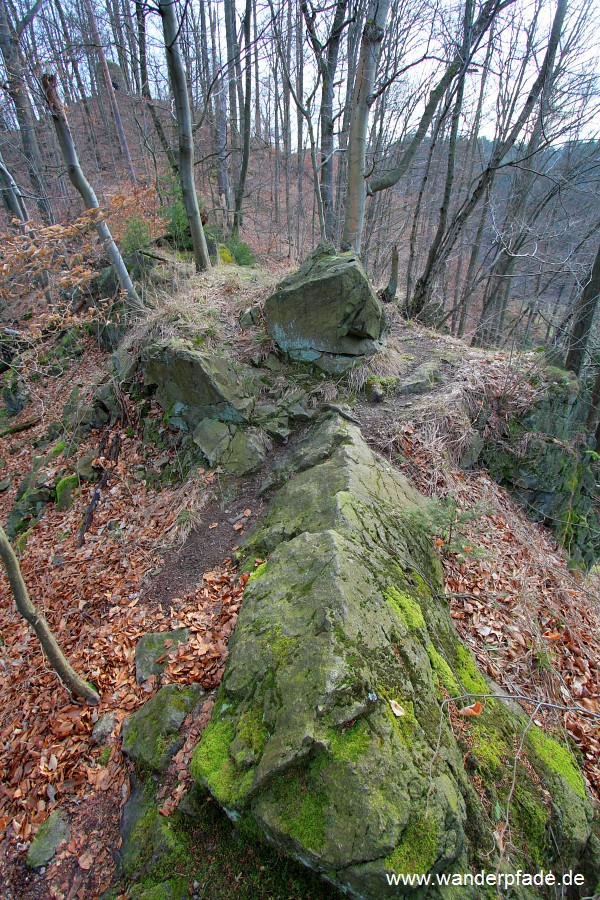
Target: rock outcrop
(192, 384)
(330, 735)
(326, 312)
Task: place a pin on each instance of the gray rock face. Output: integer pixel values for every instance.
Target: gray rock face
(325, 310)
(48, 839)
(329, 733)
(203, 385)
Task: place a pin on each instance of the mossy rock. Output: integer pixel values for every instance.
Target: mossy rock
(34, 493)
(152, 649)
(213, 438)
(348, 615)
(172, 889)
(64, 489)
(246, 452)
(204, 384)
(422, 380)
(149, 841)
(151, 734)
(14, 393)
(327, 308)
(49, 836)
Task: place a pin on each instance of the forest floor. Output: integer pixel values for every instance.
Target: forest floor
(157, 559)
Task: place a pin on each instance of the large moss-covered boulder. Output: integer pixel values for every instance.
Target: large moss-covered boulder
(199, 384)
(329, 733)
(326, 312)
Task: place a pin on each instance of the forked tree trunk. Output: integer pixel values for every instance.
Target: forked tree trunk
(84, 188)
(69, 677)
(184, 127)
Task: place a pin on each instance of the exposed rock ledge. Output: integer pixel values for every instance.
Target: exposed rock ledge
(346, 616)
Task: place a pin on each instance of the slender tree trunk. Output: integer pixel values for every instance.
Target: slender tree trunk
(231, 43)
(257, 114)
(327, 60)
(69, 677)
(110, 91)
(220, 128)
(12, 197)
(85, 189)
(184, 127)
(239, 193)
(422, 294)
(585, 309)
(91, 133)
(140, 16)
(19, 94)
(361, 103)
(503, 146)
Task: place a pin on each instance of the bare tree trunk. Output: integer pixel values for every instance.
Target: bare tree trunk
(231, 42)
(327, 59)
(503, 146)
(110, 91)
(184, 127)
(585, 309)
(80, 86)
(422, 294)
(11, 195)
(69, 677)
(82, 185)
(220, 127)
(140, 16)
(239, 192)
(361, 103)
(19, 94)
(257, 115)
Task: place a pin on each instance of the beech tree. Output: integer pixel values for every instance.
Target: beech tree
(10, 36)
(171, 30)
(84, 188)
(585, 309)
(72, 681)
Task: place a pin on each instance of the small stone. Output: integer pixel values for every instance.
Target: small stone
(48, 839)
(103, 728)
(250, 317)
(154, 646)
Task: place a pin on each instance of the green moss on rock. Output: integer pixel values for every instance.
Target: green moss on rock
(443, 671)
(406, 606)
(418, 848)
(557, 758)
(64, 489)
(151, 734)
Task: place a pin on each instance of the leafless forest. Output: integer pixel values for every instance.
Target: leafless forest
(465, 134)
